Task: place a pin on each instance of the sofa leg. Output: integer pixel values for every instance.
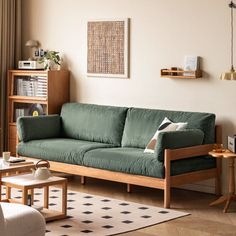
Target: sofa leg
(167, 198)
(128, 188)
(167, 184)
(82, 179)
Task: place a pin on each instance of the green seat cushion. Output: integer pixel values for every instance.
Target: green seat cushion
(126, 160)
(141, 124)
(192, 164)
(69, 151)
(104, 124)
(135, 161)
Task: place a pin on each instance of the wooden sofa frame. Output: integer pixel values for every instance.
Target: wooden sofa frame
(166, 183)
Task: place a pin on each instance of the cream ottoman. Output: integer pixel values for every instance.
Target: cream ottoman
(20, 220)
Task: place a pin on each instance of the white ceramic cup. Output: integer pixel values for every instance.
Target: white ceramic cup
(6, 156)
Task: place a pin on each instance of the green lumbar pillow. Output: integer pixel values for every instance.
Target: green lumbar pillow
(166, 125)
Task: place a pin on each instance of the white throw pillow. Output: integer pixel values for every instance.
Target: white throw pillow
(166, 125)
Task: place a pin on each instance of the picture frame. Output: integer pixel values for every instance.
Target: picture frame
(108, 48)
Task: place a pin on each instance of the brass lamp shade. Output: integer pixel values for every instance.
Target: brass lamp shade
(231, 75)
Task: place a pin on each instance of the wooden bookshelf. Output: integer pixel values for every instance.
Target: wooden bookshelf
(56, 94)
(181, 74)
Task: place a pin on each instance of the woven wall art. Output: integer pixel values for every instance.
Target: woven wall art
(107, 52)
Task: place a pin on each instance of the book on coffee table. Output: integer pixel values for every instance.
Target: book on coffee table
(14, 161)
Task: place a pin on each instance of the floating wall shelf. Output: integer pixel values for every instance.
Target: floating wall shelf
(181, 74)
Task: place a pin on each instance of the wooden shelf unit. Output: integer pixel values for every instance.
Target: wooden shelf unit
(168, 73)
(56, 95)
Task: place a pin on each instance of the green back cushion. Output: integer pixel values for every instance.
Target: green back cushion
(141, 124)
(96, 123)
(38, 127)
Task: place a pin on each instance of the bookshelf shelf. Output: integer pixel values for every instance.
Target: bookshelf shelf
(27, 89)
(28, 98)
(181, 74)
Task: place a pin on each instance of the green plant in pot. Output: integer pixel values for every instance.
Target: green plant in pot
(50, 60)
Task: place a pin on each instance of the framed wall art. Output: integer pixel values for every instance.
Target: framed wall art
(107, 48)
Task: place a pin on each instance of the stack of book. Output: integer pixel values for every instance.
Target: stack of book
(21, 112)
(32, 86)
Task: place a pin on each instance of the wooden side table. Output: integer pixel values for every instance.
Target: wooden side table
(231, 194)
(27, 183)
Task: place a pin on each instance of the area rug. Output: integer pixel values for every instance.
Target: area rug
(99, 216)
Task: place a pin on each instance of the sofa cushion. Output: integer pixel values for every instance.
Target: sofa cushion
(38, 127)
(126, 160)
(69, 151)
(177, 139)
(96, 123)
(135, 161)
(192, 164)
(166, 125)
(141, 124)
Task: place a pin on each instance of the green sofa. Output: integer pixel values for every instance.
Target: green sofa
(105, 141)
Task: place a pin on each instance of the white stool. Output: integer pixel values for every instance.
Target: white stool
(20, 220)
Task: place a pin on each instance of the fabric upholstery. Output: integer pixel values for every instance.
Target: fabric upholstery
(95, 123)
(141, 124)
(192, 164)
(21, 220)
(135, 161)
(177, 139)
(40, 127)
(63, 150)
(126, 160)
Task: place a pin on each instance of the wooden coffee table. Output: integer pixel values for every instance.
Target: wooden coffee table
(8, 170)
(27, 184)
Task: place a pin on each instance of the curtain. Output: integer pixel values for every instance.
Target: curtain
(10, 52)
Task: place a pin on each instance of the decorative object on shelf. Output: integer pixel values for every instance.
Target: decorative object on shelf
(231, 75)
(179, 73)
(107, 48)
(191, 63)
(232, 143)
(36, 110)
(218, 147)
(51, 60)
(32, 44)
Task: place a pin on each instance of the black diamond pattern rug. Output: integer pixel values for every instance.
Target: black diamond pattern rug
(100, 216)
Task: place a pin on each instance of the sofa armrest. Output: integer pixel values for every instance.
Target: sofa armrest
(40, 127)
(177, 139)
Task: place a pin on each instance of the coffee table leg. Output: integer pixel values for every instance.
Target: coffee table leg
(32, 196)
(46, 196)
(8, 192)
(64, 198)
(24, 196)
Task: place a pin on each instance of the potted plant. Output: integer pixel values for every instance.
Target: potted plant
(51, 59)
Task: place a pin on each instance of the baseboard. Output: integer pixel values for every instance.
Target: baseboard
(207, 186)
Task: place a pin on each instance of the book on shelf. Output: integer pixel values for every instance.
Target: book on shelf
(32, 86)
(191, 63)
(21, 112)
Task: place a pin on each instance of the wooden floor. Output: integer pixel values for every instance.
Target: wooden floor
(203, 221)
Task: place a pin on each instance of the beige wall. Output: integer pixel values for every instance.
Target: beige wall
(162, 33)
